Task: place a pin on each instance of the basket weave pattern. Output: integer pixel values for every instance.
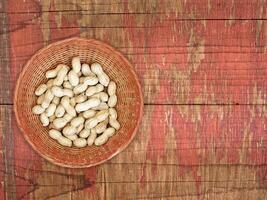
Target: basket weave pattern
(129, 106)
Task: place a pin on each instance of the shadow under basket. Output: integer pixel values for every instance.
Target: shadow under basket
(129, 106)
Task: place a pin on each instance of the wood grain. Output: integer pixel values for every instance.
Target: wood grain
(195, 61)
(5, 92)
(173, 155)
(185, 10)
(8, 186)
(202, 66)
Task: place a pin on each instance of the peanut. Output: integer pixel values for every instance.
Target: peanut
(67, 117)
(103, 79)
(40, 89)
(96, 68)
(37, 110)
(114, 123)
(101, 127)
(52, 126)
(79, 142)
(50, 83)
(61, 75)
(67, 85)
(72, 137)
(80, 128)
(60, 111)
(69, 130)
(80, 88)
(102, 96)
(60, 92)
(112, 101)
(55, 134)
(113, 113)
(53, 73)
(45, 103)
(60, 122)
(64, 141)
(48, 97)
(84, 133)
(101, 75)
(102, 139)
(44, 119)
(91, 123)
(86, 71)
(73, 102)
(102, 115)
(51, 110)
(52, 118)
(76, 64)
(92, 102)
(92, 137)
(101, 106)
(88, 114)
(40, 99)
(81, 98)
(90, 91)
(90, 80)
(94, 89)
(112, 88)
(56, 100)
(73, 78)
(77, 121)
(65, 101)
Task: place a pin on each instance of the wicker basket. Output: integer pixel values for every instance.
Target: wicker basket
(129, 106)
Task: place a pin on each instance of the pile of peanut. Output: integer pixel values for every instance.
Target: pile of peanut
(77, 104)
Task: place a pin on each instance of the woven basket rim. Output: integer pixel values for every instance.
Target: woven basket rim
(24, 70)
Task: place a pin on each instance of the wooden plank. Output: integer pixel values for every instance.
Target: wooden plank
(23, 183)
(7, 177)
(193, 53)
(177, 61)
(190, 9)
(5, 96)
(7, 155)
(25, 174)
(185, 152)
(26, 181)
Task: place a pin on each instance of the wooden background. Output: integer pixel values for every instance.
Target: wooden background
(202, 67)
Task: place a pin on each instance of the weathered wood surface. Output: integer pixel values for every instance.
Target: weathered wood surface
(192, 151)
(183, 53)
(196, 61)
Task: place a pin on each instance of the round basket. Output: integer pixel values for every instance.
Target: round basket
(129, 106)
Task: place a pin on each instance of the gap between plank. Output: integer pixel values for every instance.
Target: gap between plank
(181, 104)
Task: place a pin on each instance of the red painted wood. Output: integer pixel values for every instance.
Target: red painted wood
(18, 35)
(199, 65)
(190, 9)
(190, 53)
(193, 151)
